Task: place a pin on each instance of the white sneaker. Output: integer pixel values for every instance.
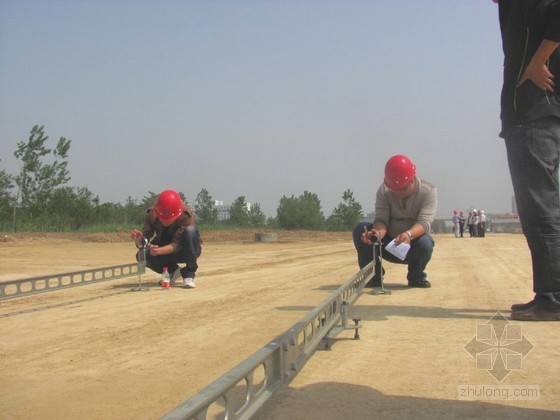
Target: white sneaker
(188, 283)
(176, 276)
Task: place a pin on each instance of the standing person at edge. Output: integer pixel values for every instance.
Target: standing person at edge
(405, 207)
(176, 239)
(470, 224)
(455, 221)
(476, 222)
(530, 115)
(461, 223)
(481, 227)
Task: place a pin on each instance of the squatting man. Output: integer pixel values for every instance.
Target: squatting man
(405, 208)
(171, 238)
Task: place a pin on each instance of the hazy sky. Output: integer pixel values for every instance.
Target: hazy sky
(259, 98)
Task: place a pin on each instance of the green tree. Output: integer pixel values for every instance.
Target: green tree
(347, 214)
(95, 202)
(149, 200)
(204, 207)
(6, 199)
(256, 216)
(303, 212)
(38, 179)
(288, 213)
(134, 213)
(272, 222)
(111, 213)
(312, 216)
(72, 208)
(238, 213)
(6, 183)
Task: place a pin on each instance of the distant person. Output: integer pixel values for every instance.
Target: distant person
(530, 115)
(455, 220)
(481, 225)
(461, 223)
(470, 223)
(476, 221)
(172, 238)
(405, 207)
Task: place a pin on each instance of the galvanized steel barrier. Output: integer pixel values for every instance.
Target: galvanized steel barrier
(277, 363)
(42, 284)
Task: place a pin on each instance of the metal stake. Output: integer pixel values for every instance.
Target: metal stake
(382, 290)
(141, 267)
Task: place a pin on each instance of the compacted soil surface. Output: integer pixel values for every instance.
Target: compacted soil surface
(103, 351)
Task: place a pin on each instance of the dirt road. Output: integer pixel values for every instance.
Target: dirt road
(104, 352)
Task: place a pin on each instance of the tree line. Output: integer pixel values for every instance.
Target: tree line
(37, 198)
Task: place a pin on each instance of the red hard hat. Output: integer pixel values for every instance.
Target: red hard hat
(169, 206)
(399, 172)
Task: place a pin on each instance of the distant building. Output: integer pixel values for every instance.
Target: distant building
(224, 210)
(506, 223)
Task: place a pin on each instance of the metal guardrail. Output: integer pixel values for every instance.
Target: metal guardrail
(42, 284)
(277, 363)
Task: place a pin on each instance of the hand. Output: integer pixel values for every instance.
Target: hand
(402, 238)
(154, 250)
(137, 237)
(368, 235)
(539, 74)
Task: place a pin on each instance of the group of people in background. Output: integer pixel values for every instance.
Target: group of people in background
(405, 205)
(476, 223)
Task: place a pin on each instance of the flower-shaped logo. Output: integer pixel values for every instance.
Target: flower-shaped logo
(498, 347)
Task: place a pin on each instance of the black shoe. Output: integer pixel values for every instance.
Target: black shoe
(542, 310)
(545, 308)
(424, 284)
(523, 306)
(554, 298)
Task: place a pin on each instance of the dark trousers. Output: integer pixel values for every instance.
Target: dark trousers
(533, 152)
(190, 251)
(417, 259)
(481, 228)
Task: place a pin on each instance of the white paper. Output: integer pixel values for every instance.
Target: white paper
(399, 251)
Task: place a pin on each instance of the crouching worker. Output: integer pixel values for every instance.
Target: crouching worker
(405, 207)
(172, 238)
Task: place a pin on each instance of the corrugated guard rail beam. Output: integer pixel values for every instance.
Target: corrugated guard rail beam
(42, 284)
(276, 364)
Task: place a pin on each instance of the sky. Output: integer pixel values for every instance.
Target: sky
(260, 99)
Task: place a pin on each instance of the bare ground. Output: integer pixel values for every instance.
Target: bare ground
(102, 351)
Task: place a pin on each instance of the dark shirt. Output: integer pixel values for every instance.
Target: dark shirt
(524, 24)
(167, 235)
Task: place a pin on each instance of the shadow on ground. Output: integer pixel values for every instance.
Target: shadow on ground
(332, 400)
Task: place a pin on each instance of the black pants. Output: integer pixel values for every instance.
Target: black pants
(533, 151)
(188, 254)
(417, 259)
